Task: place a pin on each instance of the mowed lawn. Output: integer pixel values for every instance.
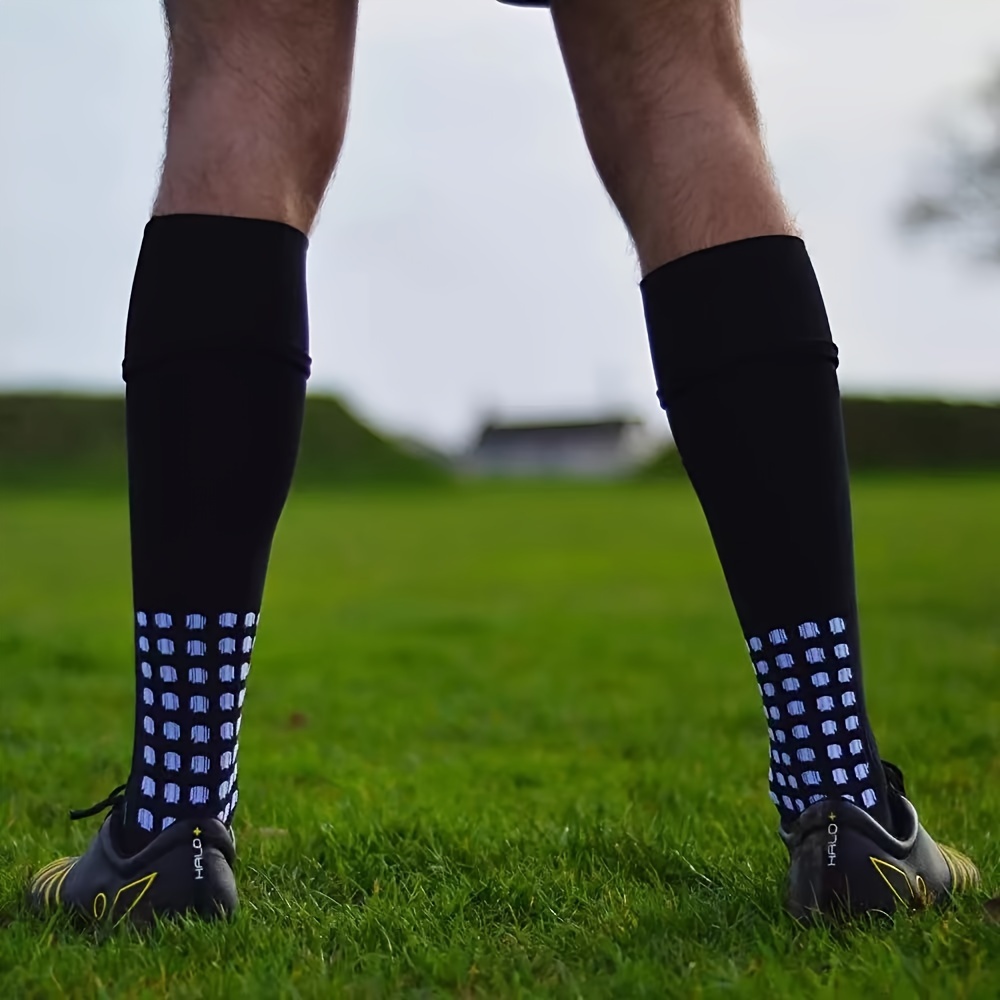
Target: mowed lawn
(503, 741)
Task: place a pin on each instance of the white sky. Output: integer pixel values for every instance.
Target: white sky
(467, 260)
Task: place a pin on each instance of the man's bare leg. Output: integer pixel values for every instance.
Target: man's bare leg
(669, 115)
(746, 369)
(259, 93)
(216, 363)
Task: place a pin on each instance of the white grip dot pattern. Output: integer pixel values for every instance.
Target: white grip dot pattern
(191, 693)
(809, 687)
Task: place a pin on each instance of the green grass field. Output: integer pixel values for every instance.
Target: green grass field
(503, 741)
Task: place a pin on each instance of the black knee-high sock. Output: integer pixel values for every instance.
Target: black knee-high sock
(216, 362)
(746, 369)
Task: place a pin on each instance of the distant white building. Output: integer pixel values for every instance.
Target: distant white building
(600, 449)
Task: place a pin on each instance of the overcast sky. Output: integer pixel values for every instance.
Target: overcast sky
(467, 260)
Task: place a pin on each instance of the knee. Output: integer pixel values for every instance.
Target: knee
(712, 34)
(693, 52)
(259, 86)
(681, 55)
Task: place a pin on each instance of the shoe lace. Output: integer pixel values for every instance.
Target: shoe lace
(113, 801)
(894, 777)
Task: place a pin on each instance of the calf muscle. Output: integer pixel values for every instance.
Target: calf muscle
(669, 114)
(259, 93)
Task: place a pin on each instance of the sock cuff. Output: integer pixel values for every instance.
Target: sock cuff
(749, 301)
(211, 286)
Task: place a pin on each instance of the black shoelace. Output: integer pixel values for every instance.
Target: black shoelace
(113, 801)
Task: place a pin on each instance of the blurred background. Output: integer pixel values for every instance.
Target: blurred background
(507, 723)
(468, 271)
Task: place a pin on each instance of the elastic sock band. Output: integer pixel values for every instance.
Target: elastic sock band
(770, 283)
(247, 279)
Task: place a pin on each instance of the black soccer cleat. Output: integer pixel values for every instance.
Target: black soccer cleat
(186, 869)
(846, 864)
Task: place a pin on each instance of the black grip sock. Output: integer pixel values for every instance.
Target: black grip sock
(216, 362)
(746, 369)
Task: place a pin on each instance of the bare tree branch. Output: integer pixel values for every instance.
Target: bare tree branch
(962, 197)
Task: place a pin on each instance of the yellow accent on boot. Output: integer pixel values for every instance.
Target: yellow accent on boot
(51, 876)
(141, 885)
(884, 866)
(964, 873)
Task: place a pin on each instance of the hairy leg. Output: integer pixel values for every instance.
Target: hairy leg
(745, 365)
(259, 93)
(216, 362)
(669, 115)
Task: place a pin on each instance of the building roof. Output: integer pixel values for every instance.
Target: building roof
(538, 433)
